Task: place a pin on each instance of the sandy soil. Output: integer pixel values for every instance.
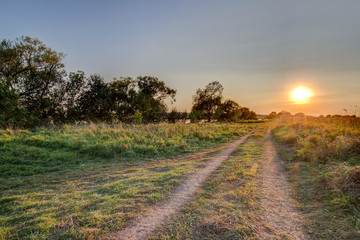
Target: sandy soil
(280, 219)
(162, 212)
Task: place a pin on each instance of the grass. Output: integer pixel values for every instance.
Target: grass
(44, 150)
(323, 158)
(227, 206)
(75, 182)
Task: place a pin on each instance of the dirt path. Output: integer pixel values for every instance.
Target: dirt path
(162, 212)
(281, 220)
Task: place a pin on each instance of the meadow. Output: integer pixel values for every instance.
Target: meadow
(323, 158)
(89, 181)
(44, 150)
(86, 181)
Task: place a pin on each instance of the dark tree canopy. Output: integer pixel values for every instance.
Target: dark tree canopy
(206, 101)
(150, 98)
(229, 111)
(207, 104)
(35, 72)
(95, 101)
(36, 90)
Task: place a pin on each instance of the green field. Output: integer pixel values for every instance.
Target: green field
(44, 150)
(76, 182)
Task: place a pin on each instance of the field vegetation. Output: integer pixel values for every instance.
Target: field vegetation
(323, 161)
(227, 206)
(88, 181)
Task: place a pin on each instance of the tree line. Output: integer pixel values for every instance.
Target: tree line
(36, 90)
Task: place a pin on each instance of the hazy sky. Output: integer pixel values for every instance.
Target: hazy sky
(258, 50)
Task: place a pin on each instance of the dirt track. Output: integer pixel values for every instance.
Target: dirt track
(281, 220)
(163, 211)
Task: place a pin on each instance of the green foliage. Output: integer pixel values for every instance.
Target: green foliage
(207, 100)
(12, 113)
(95, 102)
(35, 72)
(35, 90)
(176, 116)
(207, 104)
(229, 111)
(195, 116)
(138, 118)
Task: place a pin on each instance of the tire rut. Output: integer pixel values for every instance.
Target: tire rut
(162, 212)
(280, 219)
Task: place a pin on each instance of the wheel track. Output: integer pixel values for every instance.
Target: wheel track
(162, 212)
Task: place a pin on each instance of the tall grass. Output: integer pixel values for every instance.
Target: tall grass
(325, 157)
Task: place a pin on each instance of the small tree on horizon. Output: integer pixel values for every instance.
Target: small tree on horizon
(206, 101)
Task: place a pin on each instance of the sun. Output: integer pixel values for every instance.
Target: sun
(301, 94)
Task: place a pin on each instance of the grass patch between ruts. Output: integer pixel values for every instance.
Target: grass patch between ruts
(227, 206)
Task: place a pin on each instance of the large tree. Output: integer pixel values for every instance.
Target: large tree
(229, 110)
(151, 96)
(35, 72)
(206, 101)
(122, 93)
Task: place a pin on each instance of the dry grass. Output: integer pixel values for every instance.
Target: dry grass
(323, 162)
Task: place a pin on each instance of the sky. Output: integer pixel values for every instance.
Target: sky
(258, 50)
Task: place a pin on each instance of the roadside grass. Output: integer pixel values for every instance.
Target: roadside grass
(44, 150)
(92, 200)
(227, 206)
(323, 163)
(89, 204)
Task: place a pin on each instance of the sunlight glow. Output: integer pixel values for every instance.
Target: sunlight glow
(301, 95)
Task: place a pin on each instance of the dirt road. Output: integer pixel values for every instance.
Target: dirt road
(162, 212)
(281, 220)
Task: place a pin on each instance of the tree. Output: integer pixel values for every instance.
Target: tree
(72, 92)
(208, 100)
(229, 111)
(145, 95)
(35, 72)
(95, 101)
(123, 93)
(12, 113)
(284, 114)
(299, 115)
(272, 115)
(246, 114)
(174, 116)
(150, 98)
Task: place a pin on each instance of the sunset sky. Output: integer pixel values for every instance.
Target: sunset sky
(258, 50)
